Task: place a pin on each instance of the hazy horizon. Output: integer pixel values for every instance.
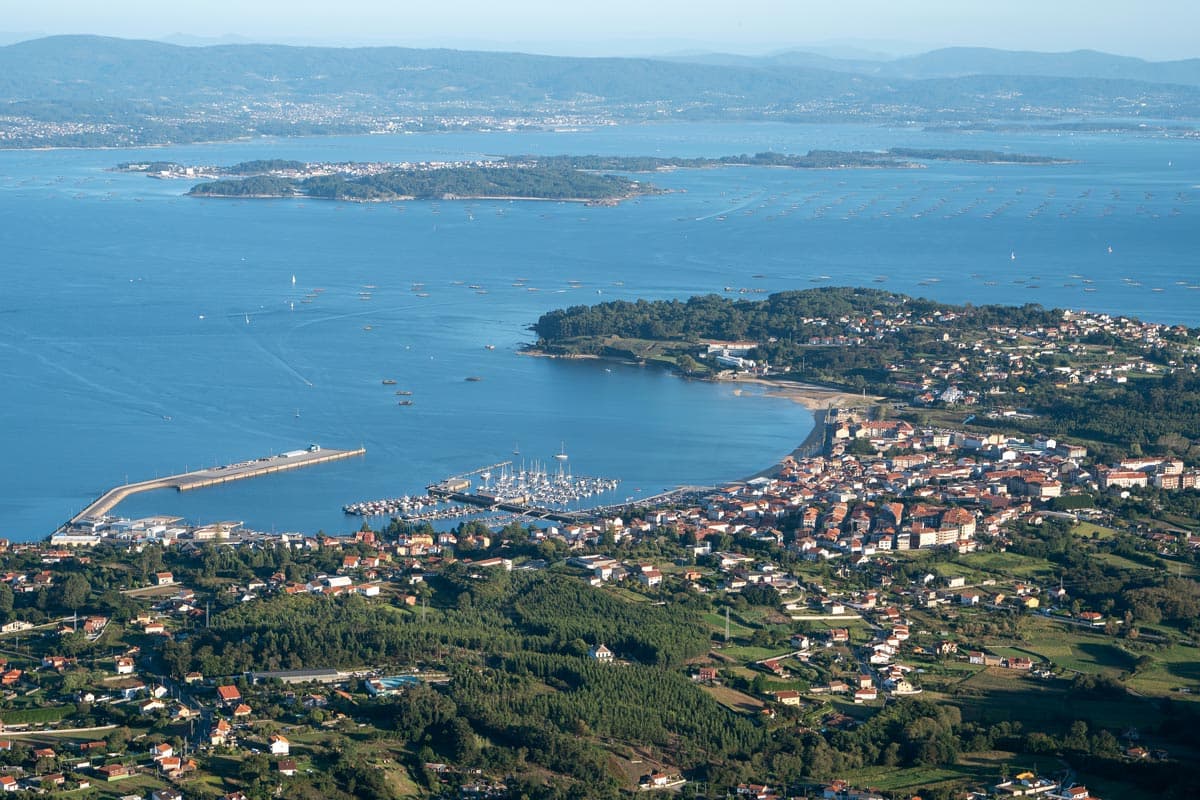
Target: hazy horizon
(1156, 30)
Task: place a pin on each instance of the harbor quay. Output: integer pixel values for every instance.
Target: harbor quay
(198, 479)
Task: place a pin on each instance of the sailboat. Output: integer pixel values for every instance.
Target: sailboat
(293, 280)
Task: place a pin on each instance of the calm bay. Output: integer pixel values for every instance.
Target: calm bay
(142, 332)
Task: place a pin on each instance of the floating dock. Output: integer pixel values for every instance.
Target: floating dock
(491, 504)
(199, 479)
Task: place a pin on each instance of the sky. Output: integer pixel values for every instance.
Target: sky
(1152, 29)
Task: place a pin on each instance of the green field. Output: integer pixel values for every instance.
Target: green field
(1075, 648)
(1008, 565)
(747, 653)
(1091, 530)
(996, 695)
(736, 629)
(626, 594)
(1172, 668)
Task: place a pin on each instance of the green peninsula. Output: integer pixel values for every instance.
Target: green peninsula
(1114, 382)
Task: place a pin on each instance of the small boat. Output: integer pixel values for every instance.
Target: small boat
(405, 403)
(388, 382)
(404, 393)
(474, 378)
(489, 347)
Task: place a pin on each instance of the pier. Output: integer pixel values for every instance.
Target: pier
(214, 476)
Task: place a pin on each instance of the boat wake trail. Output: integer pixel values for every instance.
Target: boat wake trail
(730, 210)
(280, 361)
(129, 400)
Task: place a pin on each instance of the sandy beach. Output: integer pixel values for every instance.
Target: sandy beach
(817, 399)
(811, 396)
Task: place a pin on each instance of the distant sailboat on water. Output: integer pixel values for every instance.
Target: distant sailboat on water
(293, 280)
(1012, 256)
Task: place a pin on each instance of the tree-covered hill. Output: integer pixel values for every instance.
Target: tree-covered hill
(533, 182)
(1111, 381)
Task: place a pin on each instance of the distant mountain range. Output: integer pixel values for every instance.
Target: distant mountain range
(953, 62)
(97, 90)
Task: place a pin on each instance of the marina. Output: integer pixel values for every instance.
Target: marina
(529, 490)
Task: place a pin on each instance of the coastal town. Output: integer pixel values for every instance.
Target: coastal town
(308, 169)
(882, 482)
(824, 604)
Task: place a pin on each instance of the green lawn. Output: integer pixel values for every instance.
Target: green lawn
(747, 653)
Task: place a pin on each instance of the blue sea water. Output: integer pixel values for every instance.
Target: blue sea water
(142, 332)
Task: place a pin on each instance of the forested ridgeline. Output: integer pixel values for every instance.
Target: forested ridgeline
(790, 317)
(516, 649)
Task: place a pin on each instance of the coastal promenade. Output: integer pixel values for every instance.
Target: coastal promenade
(199, 479)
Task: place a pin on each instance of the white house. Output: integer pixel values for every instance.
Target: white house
(601, 653)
